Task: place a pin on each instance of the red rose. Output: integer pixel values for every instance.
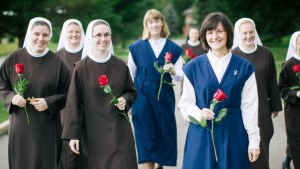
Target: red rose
(296, 68)
(168, 56)
(103, 80)
(189, 53)
(19, 68)
(219, 95)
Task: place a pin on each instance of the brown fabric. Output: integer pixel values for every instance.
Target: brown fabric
(268, 98)
(68, 159)
(196, 50)
(69, 58)
(291, 109)
(37, 145)
(107, 135)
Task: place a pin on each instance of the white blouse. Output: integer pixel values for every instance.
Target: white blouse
(249, 103)
(157, 46)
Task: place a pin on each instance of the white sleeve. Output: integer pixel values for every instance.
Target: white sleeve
(187, 102)
(249, 107)
(178, 69)
(131, 65)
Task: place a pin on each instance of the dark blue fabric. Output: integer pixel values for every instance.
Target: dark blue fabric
(154, 121)
(230, 136)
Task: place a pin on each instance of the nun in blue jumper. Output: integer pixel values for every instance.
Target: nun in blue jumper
(154, 120)
(236, 137)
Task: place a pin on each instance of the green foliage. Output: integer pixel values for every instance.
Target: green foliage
(221, 115)
(158, 68)
(21, 86)
(171, 18)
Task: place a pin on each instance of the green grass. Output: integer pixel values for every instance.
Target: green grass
(121, 53)
(3, 113)
(279, 54)
(6, 48)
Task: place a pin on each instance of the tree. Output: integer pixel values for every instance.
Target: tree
(273, 18)
(171, 18)
(15, 16)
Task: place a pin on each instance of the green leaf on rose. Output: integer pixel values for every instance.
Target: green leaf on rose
(16, 89)
(106, 89)
(222, 113)
(193, 120)
(171, 84)
(114, 101)
(203, 122)
(218, 120)
(158, 68)
(295, 88)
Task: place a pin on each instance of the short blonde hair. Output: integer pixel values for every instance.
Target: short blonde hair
(155, 14)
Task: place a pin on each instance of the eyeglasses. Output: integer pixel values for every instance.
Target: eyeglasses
(99, 35)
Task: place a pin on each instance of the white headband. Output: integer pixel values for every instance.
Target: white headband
(292, 46)
(63, 35)
(88, 42)
(29, 29)
(237, 40)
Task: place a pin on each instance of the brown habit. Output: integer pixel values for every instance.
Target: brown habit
(291, 108)
(107, 136)
(69, 58)
(196, 50)
(68, 159)
(268, 98)
(35, 146)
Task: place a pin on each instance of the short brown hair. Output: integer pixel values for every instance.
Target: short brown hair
(155, 14)
(210, 22)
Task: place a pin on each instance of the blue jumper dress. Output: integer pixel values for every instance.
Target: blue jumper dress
(230, 136)
(154, 121)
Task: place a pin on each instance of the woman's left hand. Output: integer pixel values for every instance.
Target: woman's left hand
(40, 104)
(169, 68)
(122, 103)
(253, 154)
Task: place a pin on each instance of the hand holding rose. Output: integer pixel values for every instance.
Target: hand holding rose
(207, 114)
(20, 88)
(18, 100)
(122, 103)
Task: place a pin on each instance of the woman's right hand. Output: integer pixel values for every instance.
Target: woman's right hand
(18, 100)
(207, 114)
(298, 93)
(74, 145)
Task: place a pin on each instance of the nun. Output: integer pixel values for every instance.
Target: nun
(247, 45)
(105, 134)
(288, 78)
(69, 49)
(34, 141)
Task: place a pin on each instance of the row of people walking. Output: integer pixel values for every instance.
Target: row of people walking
(72, 103)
